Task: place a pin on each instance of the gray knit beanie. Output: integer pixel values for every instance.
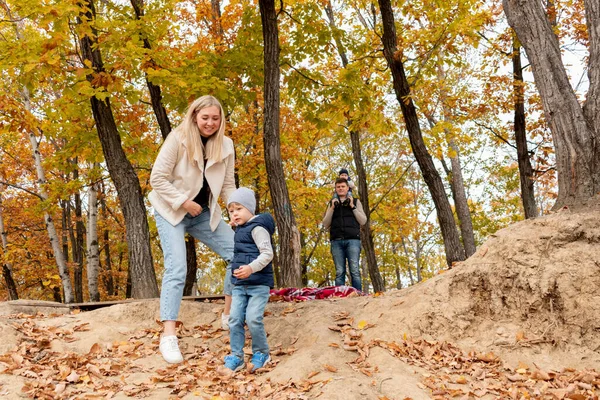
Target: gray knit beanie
(245, 197)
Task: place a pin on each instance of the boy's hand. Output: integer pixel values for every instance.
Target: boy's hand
(351, 201)
(243, 272)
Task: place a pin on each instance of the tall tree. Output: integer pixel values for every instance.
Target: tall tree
(457, 184)
(363, 188)
(92, 250)
(525, 170)
(575, 128)
(77, 241)
(164, 123)
(454, 249)
(155, 92)
(63, 270)
(289, 236)
(11, 287)
(143, 277)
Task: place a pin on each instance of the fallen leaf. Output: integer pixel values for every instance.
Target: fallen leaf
(522, 371)
(95, 349)
(461, 380)
(60, 388)
(516, 378)
(17, 358)
(73, 377)
(330, 368)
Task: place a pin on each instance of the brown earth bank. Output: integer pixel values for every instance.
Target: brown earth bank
(519, 319)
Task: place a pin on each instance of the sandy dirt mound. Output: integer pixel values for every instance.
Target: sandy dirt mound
(518, 319)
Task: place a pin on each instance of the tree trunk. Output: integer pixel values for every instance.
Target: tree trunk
(456, 177)
(303, 263)
(406, 253)
(366, 282)
(366, 235)
(289, 236)
(11, 287)
(63, 270)
(93, 257)
(165, 128)
(108, 280)
(129, 192)
(78, 246)
(64, 206)
(460, 201)
(575, 130)
(418, 260)
(192, 266)
(155, 93)
(454, 249)
(525, 169)
(216, 26)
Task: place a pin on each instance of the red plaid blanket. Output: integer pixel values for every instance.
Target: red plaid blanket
(302, 294)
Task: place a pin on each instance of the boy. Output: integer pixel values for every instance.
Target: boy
(252, 277)
(344, 174)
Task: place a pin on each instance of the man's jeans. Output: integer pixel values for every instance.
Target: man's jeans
(172, 241)
(342, 250)
(248, 304)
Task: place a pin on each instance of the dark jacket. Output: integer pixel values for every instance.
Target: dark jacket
(245, 251)
(343, 223)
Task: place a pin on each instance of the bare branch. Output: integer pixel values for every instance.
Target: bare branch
(22, 188)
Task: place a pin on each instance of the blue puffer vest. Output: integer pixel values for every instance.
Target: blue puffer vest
(245, 251)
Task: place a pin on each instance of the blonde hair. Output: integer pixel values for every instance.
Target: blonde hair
(188, 130)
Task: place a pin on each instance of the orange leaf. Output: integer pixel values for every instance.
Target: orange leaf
(330, 368)
(95, 349)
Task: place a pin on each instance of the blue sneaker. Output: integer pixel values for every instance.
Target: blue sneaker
(234, 363)
(259, 360)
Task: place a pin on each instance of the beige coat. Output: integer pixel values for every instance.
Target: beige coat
(174, 180)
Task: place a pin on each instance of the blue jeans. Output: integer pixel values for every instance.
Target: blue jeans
(172, 240)
(342, 250)
(248, 304)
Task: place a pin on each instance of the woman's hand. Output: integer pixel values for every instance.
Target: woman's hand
(243, 272)
(193, 208)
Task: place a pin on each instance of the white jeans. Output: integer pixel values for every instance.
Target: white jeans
(172, 240)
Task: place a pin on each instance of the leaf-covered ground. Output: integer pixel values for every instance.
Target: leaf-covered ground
(518, 320)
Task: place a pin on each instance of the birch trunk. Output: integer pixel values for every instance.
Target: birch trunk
(63, 271)
(93, 256)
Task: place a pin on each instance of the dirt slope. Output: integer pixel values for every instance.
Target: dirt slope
(519, 317)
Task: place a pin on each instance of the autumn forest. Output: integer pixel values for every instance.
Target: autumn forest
(439, 110)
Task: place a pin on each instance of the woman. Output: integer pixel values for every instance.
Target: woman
(195, 165)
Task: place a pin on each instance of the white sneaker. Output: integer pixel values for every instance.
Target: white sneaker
(225, 321)
(170, 349)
